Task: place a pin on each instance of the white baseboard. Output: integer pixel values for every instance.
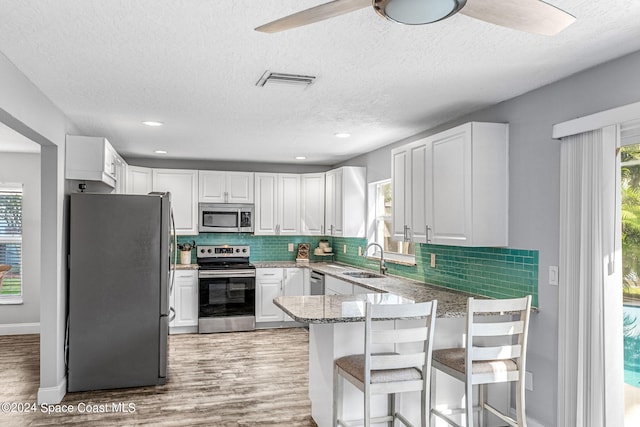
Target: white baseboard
(20, 328)
(530, 421)
(52, 395)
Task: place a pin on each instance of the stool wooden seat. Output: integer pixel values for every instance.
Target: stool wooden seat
(391, 372)
(501, 358)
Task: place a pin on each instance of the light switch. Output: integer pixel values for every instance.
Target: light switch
(344, 249)
(553, 275)
(359, 250)
(290, 247)
(433, 260)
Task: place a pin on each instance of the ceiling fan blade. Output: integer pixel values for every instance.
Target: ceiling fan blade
(531, 16)
(315, 14)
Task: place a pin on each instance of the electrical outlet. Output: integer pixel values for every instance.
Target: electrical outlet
(290, 247)
(553, 275)
(344, 249)
(528, 380)
(359, 250)
(433, 260)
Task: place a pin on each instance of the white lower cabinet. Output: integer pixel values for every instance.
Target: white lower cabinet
(184, 300)
(268, 287)
(272, 283)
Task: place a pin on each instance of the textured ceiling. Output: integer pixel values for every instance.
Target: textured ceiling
(193, 64)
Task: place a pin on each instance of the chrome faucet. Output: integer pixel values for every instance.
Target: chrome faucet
(383, 267)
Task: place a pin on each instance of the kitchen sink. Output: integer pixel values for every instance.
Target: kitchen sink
(363, 275)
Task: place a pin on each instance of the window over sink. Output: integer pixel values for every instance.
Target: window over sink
(380, 227)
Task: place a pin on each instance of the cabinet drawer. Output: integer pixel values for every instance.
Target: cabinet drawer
(269, 273)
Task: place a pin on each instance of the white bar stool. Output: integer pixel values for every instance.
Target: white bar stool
(388, 373)
(503, 360)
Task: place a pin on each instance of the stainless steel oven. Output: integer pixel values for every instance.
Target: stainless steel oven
(226, 289)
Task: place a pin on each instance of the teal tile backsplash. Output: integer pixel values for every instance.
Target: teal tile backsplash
(493, 272)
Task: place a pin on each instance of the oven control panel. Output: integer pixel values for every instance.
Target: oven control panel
(223, 251)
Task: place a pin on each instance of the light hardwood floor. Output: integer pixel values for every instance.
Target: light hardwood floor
(230, 380)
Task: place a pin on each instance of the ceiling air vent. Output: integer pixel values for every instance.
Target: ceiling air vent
(270, 77)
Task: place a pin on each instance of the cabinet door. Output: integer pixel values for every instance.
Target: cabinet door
(338, 195)
(211, 186)
(239, 187)
(293, 285)
(139, 180)
(333, 203)
(421, 187)
(121, 175)
(312, 204)
(266, 200)
(329, 202)
(400, 185)
(266, 291)
(186, 298)
(183, 186)
(288, 204)
(452, 207)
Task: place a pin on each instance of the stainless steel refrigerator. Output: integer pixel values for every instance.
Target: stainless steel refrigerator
(119, 279)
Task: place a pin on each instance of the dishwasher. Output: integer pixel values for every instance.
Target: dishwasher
(316, 281)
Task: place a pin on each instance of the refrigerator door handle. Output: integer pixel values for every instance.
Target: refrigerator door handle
(175, 252)
(172, 314)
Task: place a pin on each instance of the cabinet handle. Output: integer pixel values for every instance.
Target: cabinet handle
(226, 197)
(322, 229)
(409, 234)
(428, 229)
(277, 229)
(404, 236)
(331, 230)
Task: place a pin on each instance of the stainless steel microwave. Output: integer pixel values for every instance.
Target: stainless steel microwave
(225, 218)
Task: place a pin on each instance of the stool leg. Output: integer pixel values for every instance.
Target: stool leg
(432, 397)
(468, 396)
(337, 397)
(482, 416)
(521, 415)
(392, 408)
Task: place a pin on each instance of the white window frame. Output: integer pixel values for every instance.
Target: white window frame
(373, 228)
(14, 299)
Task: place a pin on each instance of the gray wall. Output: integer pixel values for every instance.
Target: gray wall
(25, 169)
(534, 191)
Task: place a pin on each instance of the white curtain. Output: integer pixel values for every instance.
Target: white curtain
(590, 294)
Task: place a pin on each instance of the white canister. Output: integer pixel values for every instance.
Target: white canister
(185, 257)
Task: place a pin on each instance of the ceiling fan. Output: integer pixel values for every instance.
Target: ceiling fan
(532, 16)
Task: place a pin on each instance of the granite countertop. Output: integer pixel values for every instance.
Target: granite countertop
(185, 267)
(350, 308)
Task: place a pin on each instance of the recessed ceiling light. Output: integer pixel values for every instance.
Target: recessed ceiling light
(342, 135)
(152, 123)
(301, 158)
(160, 151)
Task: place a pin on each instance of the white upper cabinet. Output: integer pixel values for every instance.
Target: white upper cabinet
(183, 186)
(225, 187)
(345, 202)
(139, 180)
(90, 158)
(312, 204)
(471, 185)
(411, 191)
(452, 188)
(277, 204)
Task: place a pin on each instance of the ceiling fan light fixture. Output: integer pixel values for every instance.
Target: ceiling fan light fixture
(417, 12)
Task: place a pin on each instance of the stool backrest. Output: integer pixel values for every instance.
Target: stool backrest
(505, 334)
(423, 333)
